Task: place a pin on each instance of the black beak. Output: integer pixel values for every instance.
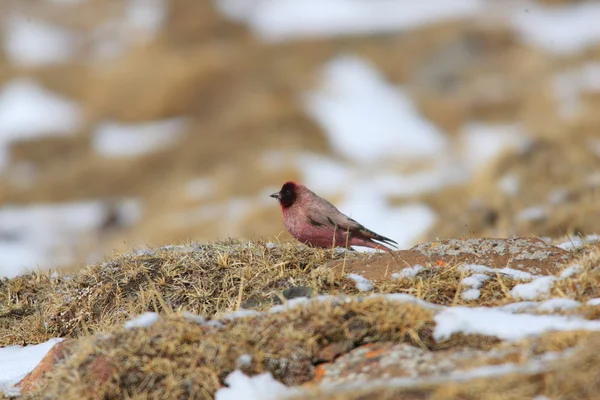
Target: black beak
(275, 195)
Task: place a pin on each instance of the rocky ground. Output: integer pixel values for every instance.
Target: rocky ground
(478, 319)
(438, 134)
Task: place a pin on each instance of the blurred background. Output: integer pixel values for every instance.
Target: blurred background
(133, 123)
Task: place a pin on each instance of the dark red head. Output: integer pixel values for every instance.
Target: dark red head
(287, 195)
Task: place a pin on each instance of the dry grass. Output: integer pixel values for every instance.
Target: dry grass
(208, 280)
(180, 358)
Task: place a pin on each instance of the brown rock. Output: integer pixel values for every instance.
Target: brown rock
(525, 254)
(56, 354)
(333, 350)
(387, 360)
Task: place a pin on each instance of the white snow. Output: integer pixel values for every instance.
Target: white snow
(533, 213)
(323, 175)
(32, 42)
(408, 272)
(539, 287)
(278, 20)
(443, 173)
(142, 321)
(18, 361)
(404, 224)
(113, 139)
(484, 142)
(144, 18)
(28, 111)
(577, 242)
(470, 294)
(502, 324)
(475, 281)
(244, 361)
(570, 84)
(509, 184)
(362, 283)
(512, 273)
(366, 119)
(558, 304)
(258, 387)
(200, 188)
(48, 235)
(562, 30)
(593, 302)
(570, 271)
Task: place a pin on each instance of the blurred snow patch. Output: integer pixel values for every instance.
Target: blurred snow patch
(47, 235)
(566, 29)
(258, 387)
(408, 272)
(577, 242)
(18, 361)
(470, 294)
(362, 283)
(368, 120)
(200, 188)
(29, 111)
(502, 324)
(538, 287)
(324, 175)
(569, 85)
(533, 213)
(113, 139)
(404, 224)
(483, 142)
(278, 20)
(509, 184)
(144, 18)
(32, 42)
(142, 321)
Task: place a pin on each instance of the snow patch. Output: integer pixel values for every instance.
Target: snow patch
(368, 120)
(593, 302)
(470, 294)
(32, 42)
(484, 142)
(475, 281)
(142, 321)
(112, 139)
(280, 20)
(504, 325)
(408, 272)
(28, 111)
(17, 361)
(558, 304)
(539, 287)
(362, 284)
(258, 387)
(48, 235)
(562, 30)
(577, 242)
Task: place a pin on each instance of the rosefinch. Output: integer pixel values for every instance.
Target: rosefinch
(316, 222)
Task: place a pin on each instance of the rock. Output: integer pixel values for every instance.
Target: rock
(388, 360)
(525, 254)
(56, 354)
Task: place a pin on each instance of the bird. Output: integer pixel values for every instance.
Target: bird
(316, 222)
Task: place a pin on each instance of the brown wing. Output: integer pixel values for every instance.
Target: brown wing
(327, 216)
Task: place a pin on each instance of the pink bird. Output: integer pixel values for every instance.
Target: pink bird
(316, 222)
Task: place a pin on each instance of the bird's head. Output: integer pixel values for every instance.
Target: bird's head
(287, 195)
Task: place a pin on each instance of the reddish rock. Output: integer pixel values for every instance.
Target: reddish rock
(57, 353)
(525, 254)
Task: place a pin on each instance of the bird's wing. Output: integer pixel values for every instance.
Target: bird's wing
(332, 218)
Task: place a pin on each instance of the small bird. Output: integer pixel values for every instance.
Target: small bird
(316, 222)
